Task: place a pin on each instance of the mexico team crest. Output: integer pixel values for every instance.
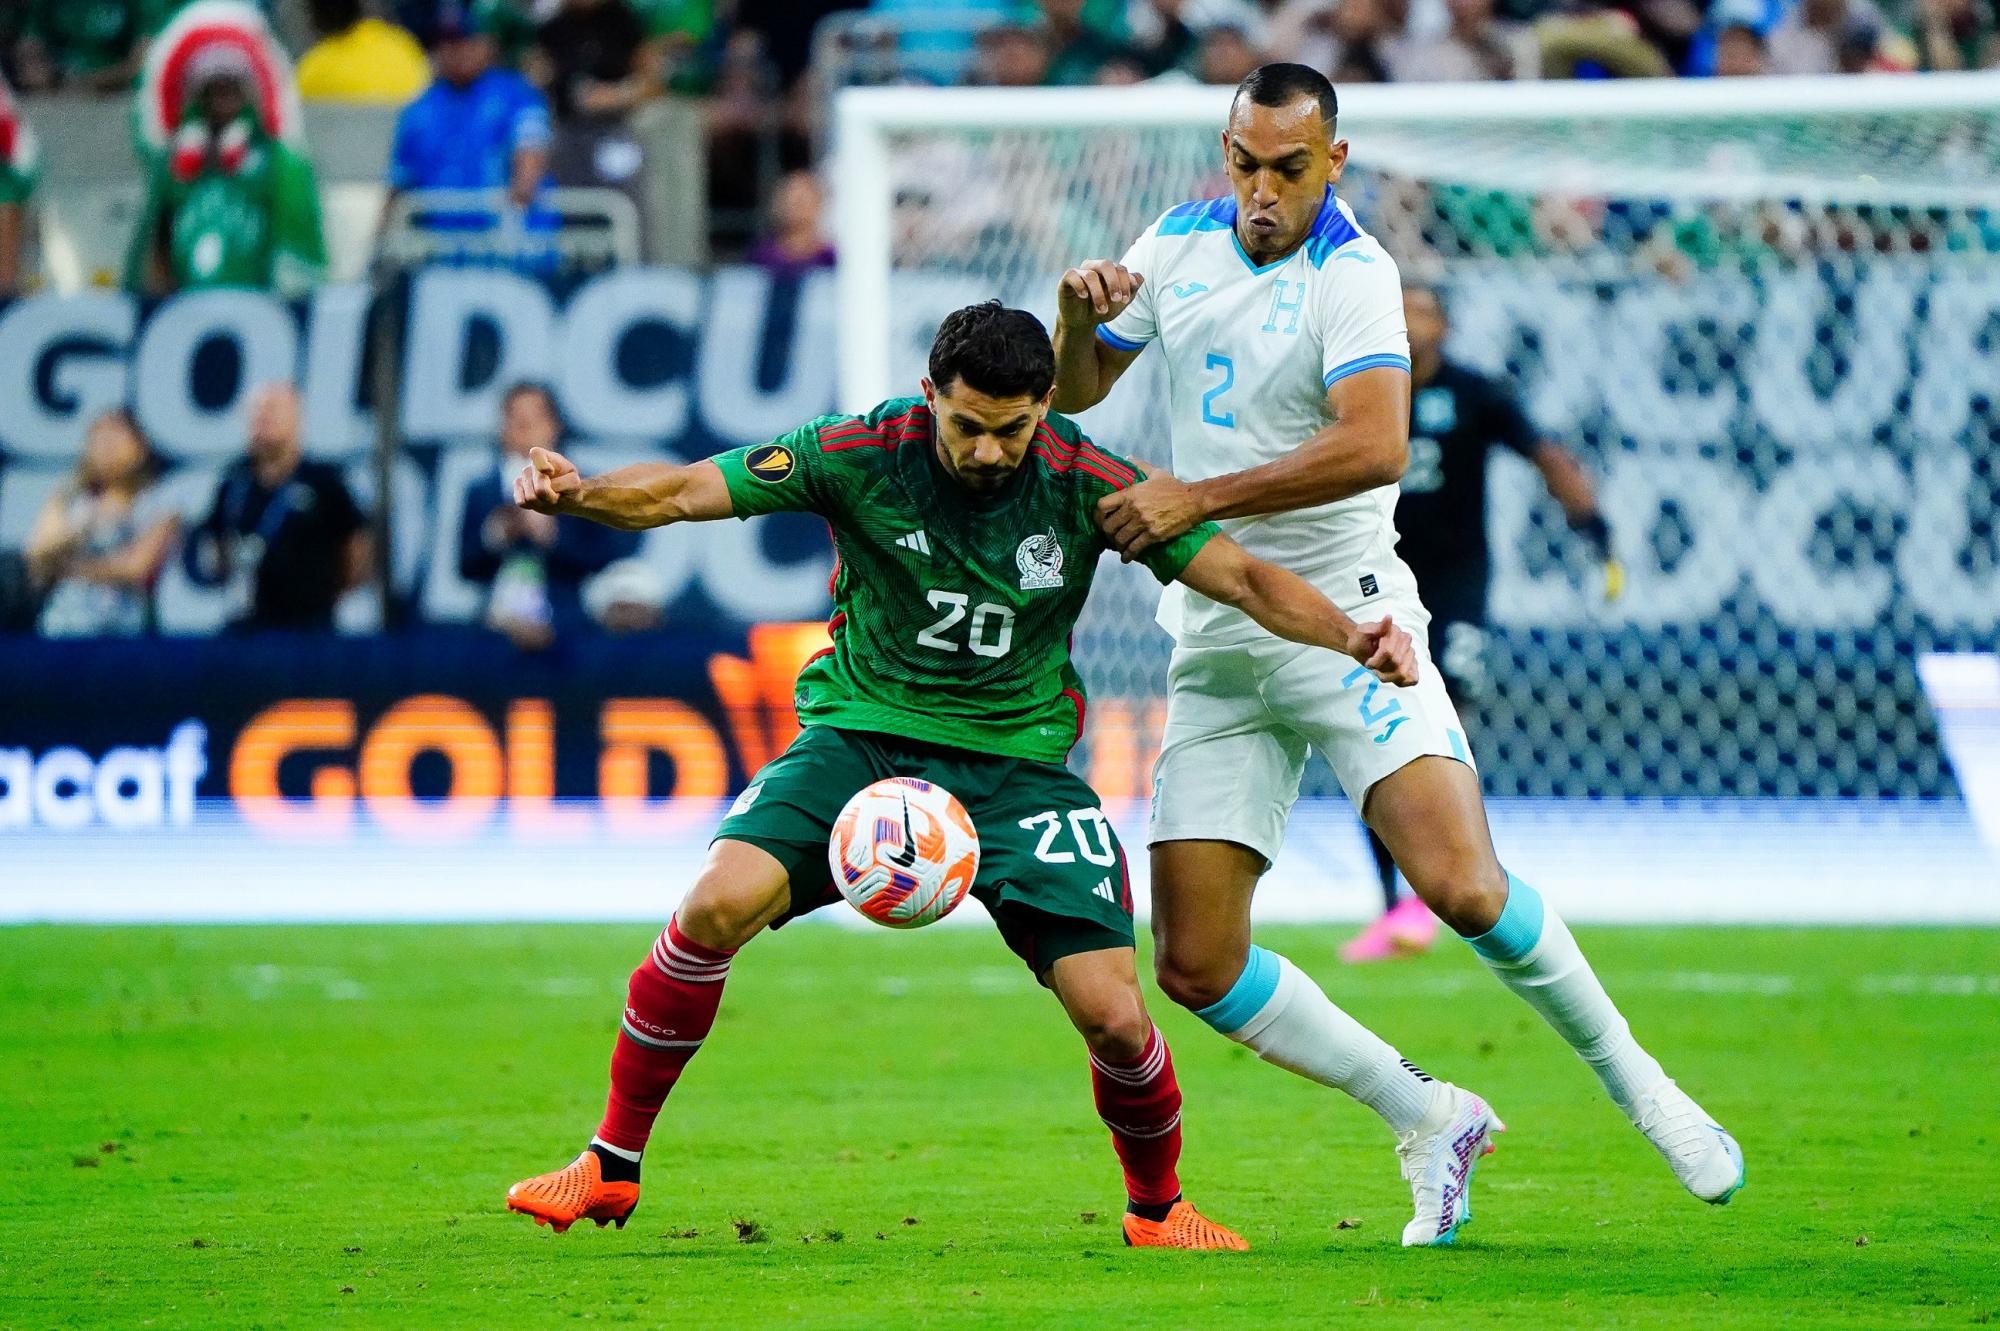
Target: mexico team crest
(1040, 559)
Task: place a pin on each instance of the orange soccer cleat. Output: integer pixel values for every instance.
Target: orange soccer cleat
(1184, 1227)
(575, 1192)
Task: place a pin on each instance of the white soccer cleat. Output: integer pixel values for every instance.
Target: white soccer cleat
(1706, 1159)
(1438, 1156)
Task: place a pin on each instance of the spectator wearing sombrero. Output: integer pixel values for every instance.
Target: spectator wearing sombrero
(229, 203)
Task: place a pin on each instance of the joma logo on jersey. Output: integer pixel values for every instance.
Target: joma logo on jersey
(1040, 559)
(772, 462)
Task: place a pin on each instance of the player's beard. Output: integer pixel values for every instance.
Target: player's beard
(977, 480)
(986, 481)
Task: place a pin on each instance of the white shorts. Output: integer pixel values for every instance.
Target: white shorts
(1241, 720)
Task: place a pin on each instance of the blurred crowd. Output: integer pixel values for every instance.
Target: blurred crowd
(282, 537)
(493, 95)
(513, 96)
(601, 58)
(1424, 41)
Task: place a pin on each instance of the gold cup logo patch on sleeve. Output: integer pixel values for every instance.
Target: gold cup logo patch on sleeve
(771, 462)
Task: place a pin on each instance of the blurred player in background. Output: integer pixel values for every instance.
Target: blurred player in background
(1457, 417)
(1289, 382)
(965, 527)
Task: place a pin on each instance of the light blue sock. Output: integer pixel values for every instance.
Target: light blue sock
(1532, 952)
(1275, 1010)
(1247, 997)
(1519, 927)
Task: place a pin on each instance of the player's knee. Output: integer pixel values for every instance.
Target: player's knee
(1466, 891)
(725, 915)
(1116, 1027)
(1194, 982)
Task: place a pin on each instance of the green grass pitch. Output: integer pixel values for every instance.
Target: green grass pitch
(313, 1127)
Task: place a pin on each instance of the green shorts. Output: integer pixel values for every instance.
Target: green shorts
(1051, 870)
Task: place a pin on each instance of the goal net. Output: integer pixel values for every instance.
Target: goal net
(1764, 313)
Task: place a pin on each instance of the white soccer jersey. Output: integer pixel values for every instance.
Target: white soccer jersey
(1250, 354)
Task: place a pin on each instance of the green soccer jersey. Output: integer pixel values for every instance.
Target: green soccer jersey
(952, 611)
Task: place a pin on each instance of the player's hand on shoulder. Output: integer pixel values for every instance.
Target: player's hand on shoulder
(547, 480)
(1096, 291)
(1387, 650)
(1153, 512)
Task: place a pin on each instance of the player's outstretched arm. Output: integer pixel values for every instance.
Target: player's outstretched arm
(1286, 604)
(646, 494)
(1091, 294)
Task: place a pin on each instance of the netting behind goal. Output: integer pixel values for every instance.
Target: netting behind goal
(1768, 319)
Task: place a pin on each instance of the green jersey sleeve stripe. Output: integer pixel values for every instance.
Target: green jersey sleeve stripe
(1105, 467)
(892, 432)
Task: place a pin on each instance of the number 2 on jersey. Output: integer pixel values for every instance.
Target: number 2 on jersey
(1226, 419)
(990, 633)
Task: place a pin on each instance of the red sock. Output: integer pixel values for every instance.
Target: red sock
(669, 1007)
(1141, 1103)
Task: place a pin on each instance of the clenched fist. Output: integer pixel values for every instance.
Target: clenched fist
(1386, 650)
(547, 480)
(1096, 292)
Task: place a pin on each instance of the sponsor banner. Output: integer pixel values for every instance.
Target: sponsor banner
(428, 736)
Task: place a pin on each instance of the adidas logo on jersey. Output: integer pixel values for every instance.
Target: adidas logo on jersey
(918, 540)
(1109, 893)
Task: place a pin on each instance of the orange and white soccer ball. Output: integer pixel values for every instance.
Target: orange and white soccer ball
(903, 852)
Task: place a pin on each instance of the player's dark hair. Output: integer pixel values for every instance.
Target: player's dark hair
(998, 351)
(1282, 84)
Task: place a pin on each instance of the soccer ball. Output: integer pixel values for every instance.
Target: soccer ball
(903, 852)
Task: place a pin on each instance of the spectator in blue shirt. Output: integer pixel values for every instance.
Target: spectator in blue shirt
(477, 127)
(1756, 17)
